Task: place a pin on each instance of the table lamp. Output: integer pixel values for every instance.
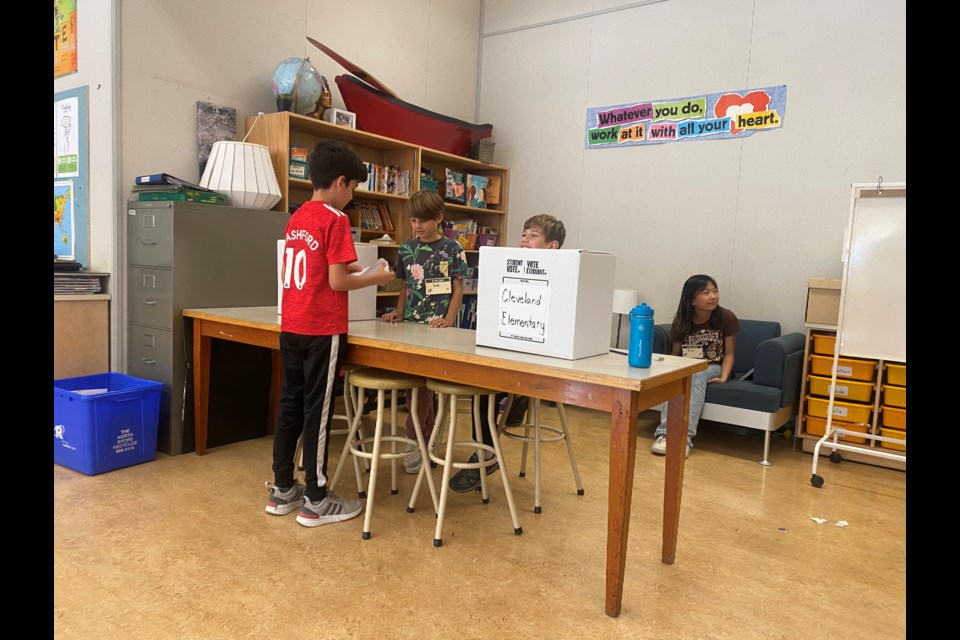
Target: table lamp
(624, 300)
(243, 171)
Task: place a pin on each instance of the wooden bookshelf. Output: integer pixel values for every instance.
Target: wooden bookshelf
(281, 130)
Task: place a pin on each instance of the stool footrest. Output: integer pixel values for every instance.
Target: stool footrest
(385, 455)
(468, 444)
(511, 432)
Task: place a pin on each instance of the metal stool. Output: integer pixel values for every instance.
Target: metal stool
(538, 437)
(350, 405)
(448, 394)
(394, 382)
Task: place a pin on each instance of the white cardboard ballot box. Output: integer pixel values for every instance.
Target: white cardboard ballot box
(363, 302)
(550, 302)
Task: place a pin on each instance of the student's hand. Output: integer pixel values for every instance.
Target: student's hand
(721, 380)
(382, 274)
(439, 322)
(354, 268)
(390, 316)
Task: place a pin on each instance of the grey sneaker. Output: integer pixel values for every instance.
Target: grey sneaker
(659, 446)
(280, 503)
(412, 463)
(329, 510)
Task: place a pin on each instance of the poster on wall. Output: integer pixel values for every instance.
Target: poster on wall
(64, 238)
(64, 37)
(66, 134)
(713, 116)
(70, 176)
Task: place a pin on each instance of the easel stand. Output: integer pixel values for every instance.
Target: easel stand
(872, 321)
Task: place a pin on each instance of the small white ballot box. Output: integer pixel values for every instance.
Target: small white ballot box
(363, 302)
(550, 302)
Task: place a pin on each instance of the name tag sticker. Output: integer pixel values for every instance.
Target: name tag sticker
(438, 286)
(693, 351)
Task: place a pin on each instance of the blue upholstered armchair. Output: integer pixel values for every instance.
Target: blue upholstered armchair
(763, 392)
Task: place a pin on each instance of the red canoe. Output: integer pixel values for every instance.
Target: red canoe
(386, 115)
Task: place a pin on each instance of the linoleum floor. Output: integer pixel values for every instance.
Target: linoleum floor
(180, 548)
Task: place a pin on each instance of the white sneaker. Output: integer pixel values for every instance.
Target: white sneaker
(659, 446)
(412, 463)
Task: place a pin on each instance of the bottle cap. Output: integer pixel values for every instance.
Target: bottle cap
(641, 311)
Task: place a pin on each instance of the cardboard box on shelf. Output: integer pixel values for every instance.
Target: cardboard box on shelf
(823, 301)
(545, 301)
(363, 302)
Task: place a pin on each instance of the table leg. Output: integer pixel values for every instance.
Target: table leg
(677, 419)
(201, 386)
(623, 455)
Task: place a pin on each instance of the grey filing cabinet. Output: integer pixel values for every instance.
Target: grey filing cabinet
(182, 255)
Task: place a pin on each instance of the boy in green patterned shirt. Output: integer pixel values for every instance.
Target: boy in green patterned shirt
(432, 267)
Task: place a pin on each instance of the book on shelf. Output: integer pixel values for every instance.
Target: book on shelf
(492, 194)
(166, 178)
(455, 189)
(183, 195)
(385, 219)
(368, 214)
(299, 154)
(476, 191)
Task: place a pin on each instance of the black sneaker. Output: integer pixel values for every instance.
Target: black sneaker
(517, 411)
(467, 480)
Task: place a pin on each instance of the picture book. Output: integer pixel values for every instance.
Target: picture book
(476, 191)
(493, 191)
(455, 186)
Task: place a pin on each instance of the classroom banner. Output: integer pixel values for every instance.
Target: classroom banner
(713, 116)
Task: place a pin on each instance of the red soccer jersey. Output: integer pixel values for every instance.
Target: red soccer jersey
(317, 236)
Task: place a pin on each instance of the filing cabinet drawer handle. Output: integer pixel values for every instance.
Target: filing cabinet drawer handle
(148, 361)
(148, 241)
(148, 301)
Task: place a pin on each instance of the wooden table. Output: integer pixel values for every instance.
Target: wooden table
(603, 382)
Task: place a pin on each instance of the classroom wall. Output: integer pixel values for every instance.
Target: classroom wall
(96, 71)
(178, 52)
(761, 214)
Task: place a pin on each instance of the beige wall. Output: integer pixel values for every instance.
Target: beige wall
(761, 214)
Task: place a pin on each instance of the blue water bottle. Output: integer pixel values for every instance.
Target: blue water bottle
(640, 352)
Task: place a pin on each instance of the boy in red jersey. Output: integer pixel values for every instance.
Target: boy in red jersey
(318, 260)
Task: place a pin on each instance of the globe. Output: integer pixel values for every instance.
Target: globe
(297, 85)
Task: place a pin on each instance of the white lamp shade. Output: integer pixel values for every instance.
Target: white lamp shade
(243, 172)
(624, 300)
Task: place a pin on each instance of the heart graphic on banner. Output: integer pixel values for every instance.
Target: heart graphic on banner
(732, 104)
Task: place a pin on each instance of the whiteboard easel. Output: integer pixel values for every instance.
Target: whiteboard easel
(873, 298)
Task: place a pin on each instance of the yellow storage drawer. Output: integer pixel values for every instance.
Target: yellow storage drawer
(895, 396)
(823, 343)
(846, 411)
(897, 374)
(846, 367)
(818, 426)
(893, 433)
(893, 417)
(846, 389)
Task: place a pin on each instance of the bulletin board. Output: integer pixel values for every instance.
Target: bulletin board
(71, 166)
